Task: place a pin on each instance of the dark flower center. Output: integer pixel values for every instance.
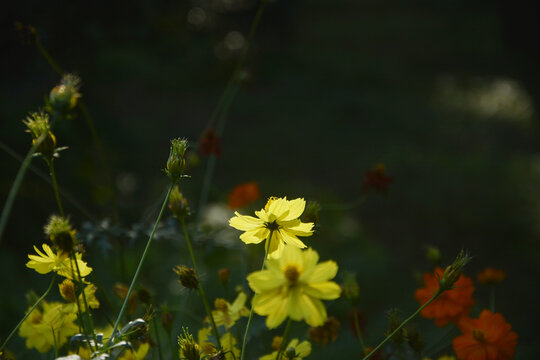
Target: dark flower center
(291, 273)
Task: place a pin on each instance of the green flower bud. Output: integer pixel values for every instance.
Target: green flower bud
(453, 272)
(350, 287)
(178, 204)
(64, 96)
(189, 349)
(433, 254)
(177, 159)
(40, 129)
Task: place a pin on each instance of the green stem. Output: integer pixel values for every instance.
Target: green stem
(82, 322)
(143, 257)
(19, 178)
(87, 309)
(55, 344)
(157, 339)
(439, 292)
(50, 162)
(358, 332)
(28, 313)
(201, 289)
(284, 338)
(250, 318)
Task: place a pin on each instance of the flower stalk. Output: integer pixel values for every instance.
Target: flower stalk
(284, 338)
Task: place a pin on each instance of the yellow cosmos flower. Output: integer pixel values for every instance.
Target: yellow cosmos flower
(227, 314)
(61, 264)
(228, 342)
(292, 286)
(293, 351)
(279, 217)
(44, 329)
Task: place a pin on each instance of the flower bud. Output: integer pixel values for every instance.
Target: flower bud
(67, 290)
(189, 349)
(350, 287)
(40, 129)
(453, 272)
(186, 276)
(224, 275)
(311, 214)
(61, 234)
(64, 96)
(433, 254)
(178, 204)
(177, 160)
(276, 342)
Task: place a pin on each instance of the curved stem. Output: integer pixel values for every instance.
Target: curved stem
(284, 338)
(143, 257)
(19, 178)
(28, 313)
(437, 293)
(358, 332)
(250, 318)
(201, 289)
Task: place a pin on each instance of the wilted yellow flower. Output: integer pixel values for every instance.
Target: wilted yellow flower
(279, 217)
(44, 329)
(293, 351)
(292, 286)
(61, 264)
(227, 314)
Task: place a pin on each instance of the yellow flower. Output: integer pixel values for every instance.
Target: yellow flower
(61, 264)
(227, 314)
(292, 286)
(293, 351)
(279, 217)
(67, 290)
(44, 329)
(227, 340)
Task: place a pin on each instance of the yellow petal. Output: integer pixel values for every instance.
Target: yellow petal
(276, 246)
(245, 223)
(278, 314)
(278, 209)
(313, 309)
(294, 306)
(291, 256)
(265, 280)
(326, 290)
(321, 272)
(296, 208)
(298, 228)
(303, 349)
(254, 236)
(291, 239)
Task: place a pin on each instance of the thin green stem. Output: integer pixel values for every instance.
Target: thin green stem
(48, 57)
(87, 309)
(55, 344)
(250, 318)
(19, 178)
(357, 329)
(28, 313)
(437, 293)
(157, 339)
(139, 267)
(82, 322)
(201, 289)
(284, 338)
(50, 162)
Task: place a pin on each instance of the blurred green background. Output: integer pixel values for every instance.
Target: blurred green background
(443, 93)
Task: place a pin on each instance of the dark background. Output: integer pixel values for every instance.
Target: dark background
(443, 93)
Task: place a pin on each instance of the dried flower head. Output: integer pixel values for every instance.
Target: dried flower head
(187, 276)
(61, 233)
(327, 332)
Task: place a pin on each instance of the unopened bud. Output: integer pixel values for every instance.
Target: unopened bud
(433, 254)
(178, 204)
(67, 290)
(61, 233)
(350, 287)
(311, 214)
(189, 349)
(40, 129)
(187, 276)
(453, 272)
(224, 275)
(177, 160)
(64, 96)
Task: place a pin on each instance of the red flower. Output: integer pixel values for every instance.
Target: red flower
(377, 179)
(244, 194)
(486, 338)
(209, 143)
(452, 304)
(490, 276)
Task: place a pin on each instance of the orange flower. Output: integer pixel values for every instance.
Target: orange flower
(452, 304)
(486, 338)
(490, 276)
(244, 194)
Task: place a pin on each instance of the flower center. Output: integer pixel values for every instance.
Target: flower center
(478, 335)
(221, 305)
(272, 226)
(291, 273)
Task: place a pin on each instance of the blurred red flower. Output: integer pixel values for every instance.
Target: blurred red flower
(244, 194)
(452, 304)
(377, 179)
(490, 276)
(209, 143)
(486, 338)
